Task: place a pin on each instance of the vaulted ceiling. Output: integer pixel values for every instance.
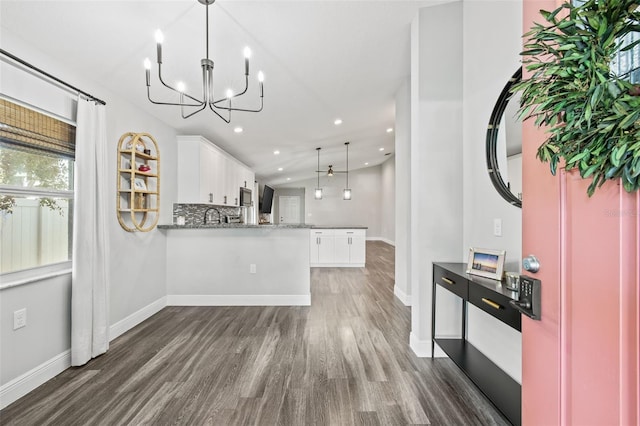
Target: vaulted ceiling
(322, 60)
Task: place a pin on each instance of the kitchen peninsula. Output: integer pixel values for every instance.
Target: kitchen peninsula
(237, 264)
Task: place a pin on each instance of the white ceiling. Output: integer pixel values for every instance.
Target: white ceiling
(322, 60)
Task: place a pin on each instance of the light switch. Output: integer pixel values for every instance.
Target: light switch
(252, 268)
(497, 227)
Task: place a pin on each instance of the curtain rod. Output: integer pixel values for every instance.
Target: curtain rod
(49, 76)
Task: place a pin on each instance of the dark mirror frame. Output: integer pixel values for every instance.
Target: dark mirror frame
(492, 141)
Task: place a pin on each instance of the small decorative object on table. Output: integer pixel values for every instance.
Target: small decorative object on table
(486, 263)
(512, 281)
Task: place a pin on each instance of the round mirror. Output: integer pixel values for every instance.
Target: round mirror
(504, 144)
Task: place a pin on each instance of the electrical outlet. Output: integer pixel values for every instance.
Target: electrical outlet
(497, 227)
(252, 268)
(19, 318)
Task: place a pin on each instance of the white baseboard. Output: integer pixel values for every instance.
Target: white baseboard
(336, 265)
(238, 300)
(402, 296)
(384, 240)
(422, 348)
(136, 318)
(22, 385)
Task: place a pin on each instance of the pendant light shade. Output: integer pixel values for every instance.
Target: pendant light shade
(318, 192)
(346, 194)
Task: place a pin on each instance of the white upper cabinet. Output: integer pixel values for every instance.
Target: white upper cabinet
(208, 175)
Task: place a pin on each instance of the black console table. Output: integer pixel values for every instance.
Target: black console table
(493, 298)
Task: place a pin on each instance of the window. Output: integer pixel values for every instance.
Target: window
(627, 63)
(36, 188)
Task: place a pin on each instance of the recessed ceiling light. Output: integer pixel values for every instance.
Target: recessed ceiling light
(238, 129)
(276, 152)
(389, 130)
(337, 122)
(280, 169)
(366, 164)
(288, 178)
(381, 149)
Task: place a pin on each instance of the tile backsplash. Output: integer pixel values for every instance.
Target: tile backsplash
(194, 213)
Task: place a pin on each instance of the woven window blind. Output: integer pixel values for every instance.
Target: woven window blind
(24, 129)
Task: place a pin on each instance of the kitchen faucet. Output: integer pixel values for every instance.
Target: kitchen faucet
(206, 214)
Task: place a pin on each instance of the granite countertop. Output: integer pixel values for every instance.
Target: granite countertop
(235, 226)
(337, 227)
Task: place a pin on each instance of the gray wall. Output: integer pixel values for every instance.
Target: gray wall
(483, 81)
(388, 200)
(136, 259)
(403, 193)
(362, 209)
(436, 164)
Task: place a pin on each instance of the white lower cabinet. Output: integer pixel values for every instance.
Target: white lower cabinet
(337, 247)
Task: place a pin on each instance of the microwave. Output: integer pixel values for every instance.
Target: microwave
(245, 197)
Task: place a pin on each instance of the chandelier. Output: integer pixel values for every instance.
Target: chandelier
(222, 106)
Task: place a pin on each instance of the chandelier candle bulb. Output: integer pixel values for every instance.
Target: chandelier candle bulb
(247, 55)
(147, 71)
(159, 40)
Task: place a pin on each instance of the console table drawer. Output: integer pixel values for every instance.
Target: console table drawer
(495, 304)
(452, 282)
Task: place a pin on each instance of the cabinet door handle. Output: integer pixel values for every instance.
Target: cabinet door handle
(448, 281)
(491, 303)
(211, 197)
(225, 199)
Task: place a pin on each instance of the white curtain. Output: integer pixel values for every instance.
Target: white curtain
(90, 277)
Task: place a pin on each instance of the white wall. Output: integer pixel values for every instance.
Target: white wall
(137, 259)
(436, 164)
(363, 209)
(217, 264)
(402, 287)
(490, 58)
(388, 200)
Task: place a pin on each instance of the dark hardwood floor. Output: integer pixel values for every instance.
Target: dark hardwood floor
(345, 360)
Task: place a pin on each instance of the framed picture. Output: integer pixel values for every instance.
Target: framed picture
(139, 184)
(486, 263)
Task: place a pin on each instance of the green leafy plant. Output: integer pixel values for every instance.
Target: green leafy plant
(591, 114)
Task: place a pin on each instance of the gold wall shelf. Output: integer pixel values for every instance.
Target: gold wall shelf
(138, 194)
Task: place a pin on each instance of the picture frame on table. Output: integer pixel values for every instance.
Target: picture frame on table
(486, 263)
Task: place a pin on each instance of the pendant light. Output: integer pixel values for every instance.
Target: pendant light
(318, 193)
(346, 194)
